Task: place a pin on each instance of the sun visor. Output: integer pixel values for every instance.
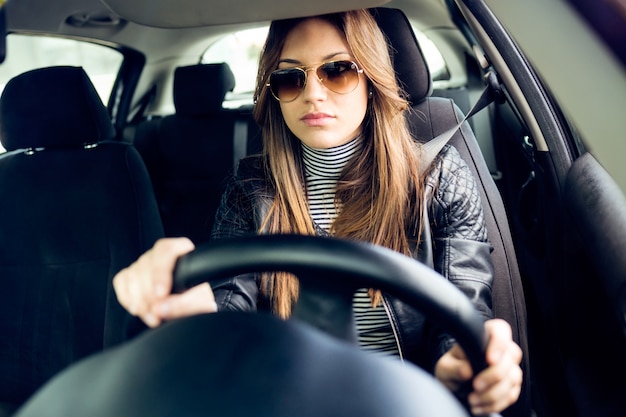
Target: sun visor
(195, 13)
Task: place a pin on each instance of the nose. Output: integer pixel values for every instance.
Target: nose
(314, 89)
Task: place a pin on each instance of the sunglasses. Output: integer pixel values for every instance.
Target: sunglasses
(340, 77)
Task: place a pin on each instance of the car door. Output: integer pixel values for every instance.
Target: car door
(568, 220)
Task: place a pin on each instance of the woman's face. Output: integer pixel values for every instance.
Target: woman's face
(320, 117)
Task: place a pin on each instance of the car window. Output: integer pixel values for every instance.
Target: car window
(434, 58)
(241, 52)
(27, 52)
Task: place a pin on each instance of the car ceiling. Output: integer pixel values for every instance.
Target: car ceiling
(144, 24)
(117, 20)
(193, 13)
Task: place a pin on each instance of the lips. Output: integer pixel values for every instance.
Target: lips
(316, 119)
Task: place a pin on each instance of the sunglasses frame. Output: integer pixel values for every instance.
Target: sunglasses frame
(306, 69)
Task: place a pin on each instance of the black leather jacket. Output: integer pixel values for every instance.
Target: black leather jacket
(458, 248)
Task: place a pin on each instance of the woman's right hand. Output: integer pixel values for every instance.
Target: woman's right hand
(144, 288)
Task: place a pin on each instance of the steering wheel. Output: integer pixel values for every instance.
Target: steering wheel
(241, 364)
(330, 271)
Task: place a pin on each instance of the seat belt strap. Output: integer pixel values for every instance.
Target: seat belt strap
(240, 141)
(491, 93)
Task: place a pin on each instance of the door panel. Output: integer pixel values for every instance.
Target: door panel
(593, 289)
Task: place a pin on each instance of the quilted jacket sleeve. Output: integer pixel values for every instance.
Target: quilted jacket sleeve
(461, 248)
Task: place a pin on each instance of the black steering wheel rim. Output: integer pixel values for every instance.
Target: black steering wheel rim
(319, 261)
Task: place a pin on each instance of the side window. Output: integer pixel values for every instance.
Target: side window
(241, 51)
(27, 52)
(434, 59)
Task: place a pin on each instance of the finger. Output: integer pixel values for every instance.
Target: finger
(507, 369)
(503, 355)
(160, 263)
(135, 282)
(196, 300)
(498, 386)
(154, 282)
(124, 290)
(457, 352)
(498, 396)
(127, 290)
(453, 368)
(148, 280)
(463, 369)
(150, 320)
(500, 335)
(120, 286)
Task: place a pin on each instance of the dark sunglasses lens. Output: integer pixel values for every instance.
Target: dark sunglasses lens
(287, 84)
(339, 76)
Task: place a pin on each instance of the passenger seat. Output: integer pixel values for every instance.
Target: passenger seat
(190, 154)
(76, 208)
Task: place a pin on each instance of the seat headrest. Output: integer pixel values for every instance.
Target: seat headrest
(52, 107)
(408, 60)
(200, 89)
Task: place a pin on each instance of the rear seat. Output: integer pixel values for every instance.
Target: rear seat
(190, 154)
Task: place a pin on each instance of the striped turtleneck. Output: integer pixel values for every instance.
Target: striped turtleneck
(322, 169)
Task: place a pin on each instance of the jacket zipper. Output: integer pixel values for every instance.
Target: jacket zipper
(393, 327)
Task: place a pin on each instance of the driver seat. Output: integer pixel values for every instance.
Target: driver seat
(431, 116)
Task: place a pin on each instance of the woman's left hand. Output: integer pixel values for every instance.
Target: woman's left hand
(496, 387)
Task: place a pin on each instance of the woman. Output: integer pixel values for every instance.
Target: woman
(339, 160)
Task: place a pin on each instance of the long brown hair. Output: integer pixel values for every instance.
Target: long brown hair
(380, 189)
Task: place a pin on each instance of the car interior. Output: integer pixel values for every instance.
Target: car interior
(188, 185)
(91, 202)
(93, 182)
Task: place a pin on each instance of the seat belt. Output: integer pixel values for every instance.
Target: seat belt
(491, 93)
(143, 104)
(240, 141)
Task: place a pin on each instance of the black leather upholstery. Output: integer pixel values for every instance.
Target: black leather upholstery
(75, 210)
(432, 116)
(190, 153)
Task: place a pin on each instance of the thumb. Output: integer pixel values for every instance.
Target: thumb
(457, 352)
(196, 300)
(500, 335)
(164, 255)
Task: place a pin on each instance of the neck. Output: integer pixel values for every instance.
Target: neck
(329, 163)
